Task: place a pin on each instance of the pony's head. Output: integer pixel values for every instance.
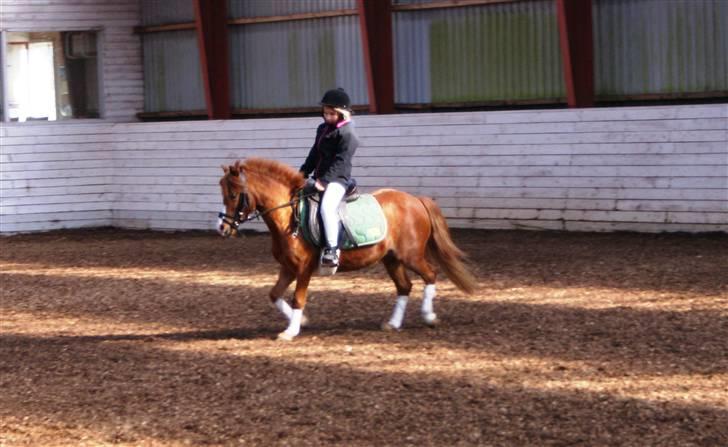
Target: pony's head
(236, 199)
(254, 183)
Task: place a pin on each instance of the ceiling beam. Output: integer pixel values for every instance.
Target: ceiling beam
(212, 40)
(375, 20)
(577, 50)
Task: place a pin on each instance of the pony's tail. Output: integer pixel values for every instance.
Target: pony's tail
(446, 253)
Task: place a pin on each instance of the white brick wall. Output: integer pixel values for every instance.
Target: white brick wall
(662, 168)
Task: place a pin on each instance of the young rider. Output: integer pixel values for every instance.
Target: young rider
(329, 160)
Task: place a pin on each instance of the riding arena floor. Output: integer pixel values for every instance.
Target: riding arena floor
(137, 338)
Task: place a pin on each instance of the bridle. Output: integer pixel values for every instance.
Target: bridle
(242, 210)
(239, 216)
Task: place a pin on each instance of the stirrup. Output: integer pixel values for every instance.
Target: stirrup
(329, 257)
(329, 262)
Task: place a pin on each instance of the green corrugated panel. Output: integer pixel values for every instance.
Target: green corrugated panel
(291, 64)
(172, 75)
(501, 52)
(160, 12)
(660, 47)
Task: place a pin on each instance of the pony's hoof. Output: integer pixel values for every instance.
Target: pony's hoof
(431, 320)
(284, 336)
(386, 327)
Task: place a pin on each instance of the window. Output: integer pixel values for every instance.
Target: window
(51, 75)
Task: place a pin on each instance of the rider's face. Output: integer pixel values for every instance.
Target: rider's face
(331, 116)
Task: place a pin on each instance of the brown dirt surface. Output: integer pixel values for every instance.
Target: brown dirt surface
(137, 338)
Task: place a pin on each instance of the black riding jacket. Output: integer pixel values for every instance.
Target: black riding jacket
(330, 157)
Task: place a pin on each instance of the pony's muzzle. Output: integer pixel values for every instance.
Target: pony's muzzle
(223, 228)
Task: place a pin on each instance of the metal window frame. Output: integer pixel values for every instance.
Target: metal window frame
(100, 46)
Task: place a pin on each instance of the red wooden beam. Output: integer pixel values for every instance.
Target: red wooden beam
(577, 50)
(375, 20)
(212, 41)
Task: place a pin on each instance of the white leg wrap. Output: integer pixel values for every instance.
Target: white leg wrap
(284, 307)
(428, 311)
(398, 314)
(294, 327)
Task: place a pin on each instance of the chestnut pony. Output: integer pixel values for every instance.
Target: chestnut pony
(417, 235)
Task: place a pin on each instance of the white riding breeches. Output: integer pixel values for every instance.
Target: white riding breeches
(329, 206)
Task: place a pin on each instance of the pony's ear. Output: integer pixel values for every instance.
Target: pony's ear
(225, 169)
(234, 171)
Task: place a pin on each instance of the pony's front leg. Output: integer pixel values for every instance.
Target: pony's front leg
(299, 302)
(285, 278)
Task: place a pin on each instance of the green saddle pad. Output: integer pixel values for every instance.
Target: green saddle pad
(363, 222)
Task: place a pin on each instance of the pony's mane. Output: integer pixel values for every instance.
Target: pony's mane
(271, 169)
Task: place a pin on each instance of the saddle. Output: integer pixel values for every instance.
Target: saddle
(362, 221)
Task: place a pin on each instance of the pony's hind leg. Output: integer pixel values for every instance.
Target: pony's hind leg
(398, 273)
(425, 270)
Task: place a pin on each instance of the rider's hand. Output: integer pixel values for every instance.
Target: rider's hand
(320, 186)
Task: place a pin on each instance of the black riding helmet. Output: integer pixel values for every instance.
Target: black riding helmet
(336, 98)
